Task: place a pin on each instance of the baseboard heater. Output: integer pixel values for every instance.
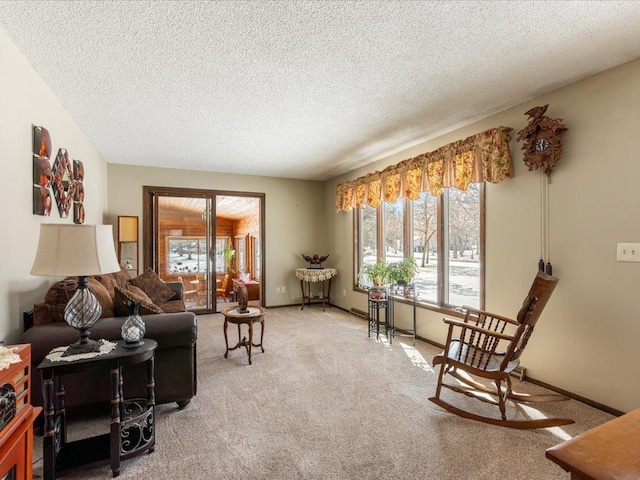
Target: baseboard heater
(520, 373)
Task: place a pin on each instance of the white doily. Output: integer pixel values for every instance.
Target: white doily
(315, 274)
(55, 355)
(7, 357)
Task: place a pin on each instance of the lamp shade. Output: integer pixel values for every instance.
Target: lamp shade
(66, 250)
(127, 229)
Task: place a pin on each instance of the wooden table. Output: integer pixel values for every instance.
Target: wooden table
(312, 275)
(610, 451)
(254, 314)
(131, 419)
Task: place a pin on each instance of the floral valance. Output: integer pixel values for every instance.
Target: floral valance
(484, 157)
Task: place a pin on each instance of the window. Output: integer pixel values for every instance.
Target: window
(368, 234)
(462, 238)
(444, 235)
(393, 222)
(240, 255)
(187, 255)
(221, 244)
(425, 245)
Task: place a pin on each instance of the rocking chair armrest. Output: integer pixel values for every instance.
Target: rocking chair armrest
(478, 312)
(452, 322)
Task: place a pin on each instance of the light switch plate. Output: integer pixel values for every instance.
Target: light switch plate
(628, 252)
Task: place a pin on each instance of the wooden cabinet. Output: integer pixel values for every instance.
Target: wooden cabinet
(17, 416)
(253, 288)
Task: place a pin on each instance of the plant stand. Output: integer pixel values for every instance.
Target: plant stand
(406, 292)
(378, 300)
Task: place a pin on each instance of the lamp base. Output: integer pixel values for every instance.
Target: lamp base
(137, 344)
(82, 346)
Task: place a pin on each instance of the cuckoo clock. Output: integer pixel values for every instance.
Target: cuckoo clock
(542, 140)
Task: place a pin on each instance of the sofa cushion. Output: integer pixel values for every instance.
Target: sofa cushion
(101, 293)
(108, 281)
(173, 306)
(41, 313)
(169, 330)
(153, 286)
(57, 298)
(59, 294)
(122, 277)
(134, 294)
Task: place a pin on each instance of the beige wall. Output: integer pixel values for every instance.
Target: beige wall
(587, 340)
(25, 100)
(293, 211)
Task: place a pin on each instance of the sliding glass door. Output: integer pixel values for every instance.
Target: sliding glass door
(183, 237)
(208, 240)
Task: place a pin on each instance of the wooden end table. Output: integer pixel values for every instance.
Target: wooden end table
(607, 452)
(254, 314)
(312, 275)
(132, 424)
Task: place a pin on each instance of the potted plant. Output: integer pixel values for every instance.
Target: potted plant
(403, 272)
(227, 255)
(378, 273)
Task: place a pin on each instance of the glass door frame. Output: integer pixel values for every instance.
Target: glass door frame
(150, 225)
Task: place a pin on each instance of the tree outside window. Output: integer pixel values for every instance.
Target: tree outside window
(442, 233)
(187, 255)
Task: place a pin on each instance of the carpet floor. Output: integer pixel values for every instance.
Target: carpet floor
(324, 401)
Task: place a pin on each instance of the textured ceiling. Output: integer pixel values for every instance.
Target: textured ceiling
(303, 89)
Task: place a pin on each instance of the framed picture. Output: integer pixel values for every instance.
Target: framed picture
(41, 200)
(63, 183)
(78, 213)
(42, 173)
(78, 171)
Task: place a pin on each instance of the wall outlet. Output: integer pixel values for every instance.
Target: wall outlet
(344, 292)
(283, 289)
(277, 290)
(628, 252)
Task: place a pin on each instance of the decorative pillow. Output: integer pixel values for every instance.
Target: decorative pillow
(61, 292)
(108, 281)
(41, 313)
(102, 294)
(122, 277)
(58, 296)
(134, 294)
(153, 286)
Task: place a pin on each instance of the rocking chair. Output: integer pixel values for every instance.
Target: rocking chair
(471, 348)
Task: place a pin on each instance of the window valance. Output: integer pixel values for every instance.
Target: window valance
(484, 157)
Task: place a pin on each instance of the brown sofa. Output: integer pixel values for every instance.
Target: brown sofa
(175, 356)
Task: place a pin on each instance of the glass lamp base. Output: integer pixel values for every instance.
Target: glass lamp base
(137, 344)
(82, 346)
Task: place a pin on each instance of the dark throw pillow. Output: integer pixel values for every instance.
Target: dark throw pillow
(122, 277)
(151, 284)
(133, 294)
(61, 292)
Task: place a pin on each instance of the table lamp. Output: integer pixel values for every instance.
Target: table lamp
(77, 250)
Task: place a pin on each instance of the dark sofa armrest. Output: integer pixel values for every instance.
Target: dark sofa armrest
(27, 320)
(177, 287)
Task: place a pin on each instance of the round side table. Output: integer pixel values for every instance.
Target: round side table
(254, 314)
